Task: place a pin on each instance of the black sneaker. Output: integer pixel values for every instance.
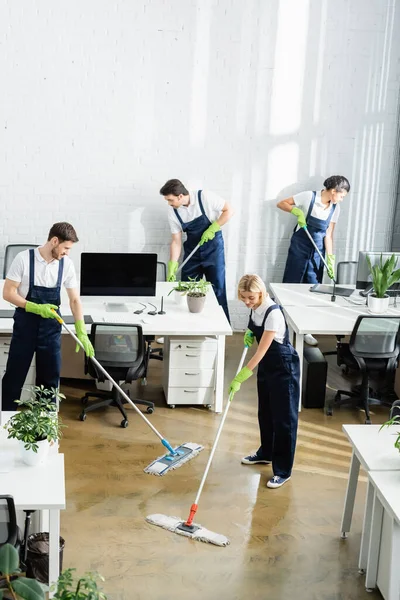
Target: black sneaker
(254, 459)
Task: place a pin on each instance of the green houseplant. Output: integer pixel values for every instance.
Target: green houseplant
(384, 275)
(179, 290)
(196, 292)
(394, 421)
(37, 425)
(13, 584)
(84, 587)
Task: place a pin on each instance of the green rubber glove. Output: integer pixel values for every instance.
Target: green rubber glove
(301, 220)
(237, 381)
(330, 261)
(172, 269)
(43, 310)
(248, 338)
(82, 336)
(209, 233)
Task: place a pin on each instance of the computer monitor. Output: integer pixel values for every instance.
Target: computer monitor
(118, 274)
(363, 273)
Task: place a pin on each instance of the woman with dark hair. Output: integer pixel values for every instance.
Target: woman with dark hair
(319, 211)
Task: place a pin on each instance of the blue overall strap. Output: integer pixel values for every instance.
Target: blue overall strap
(60, 273)
(270, 309)
(201, 204)
(311, 206)
(31, 268)
(178, 217)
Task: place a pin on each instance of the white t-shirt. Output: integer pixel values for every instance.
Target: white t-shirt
(274, 322)
(46, 274)
(212, 204)
(319, 211)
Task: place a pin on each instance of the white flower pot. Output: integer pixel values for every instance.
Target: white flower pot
(179, 297)
(31, 458)
(378, 305)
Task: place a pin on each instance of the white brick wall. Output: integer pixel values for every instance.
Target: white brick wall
(103, 101)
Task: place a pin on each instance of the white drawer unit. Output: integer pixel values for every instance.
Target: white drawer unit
(5, 342)
(189, 370)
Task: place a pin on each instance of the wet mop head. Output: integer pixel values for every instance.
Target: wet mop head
(169, 461)
(195, 531)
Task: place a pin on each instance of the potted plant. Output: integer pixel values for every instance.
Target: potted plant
(383, 275)
(394, 421)
(37, 426)
(196, 291)
(179, 290)
(84, 587)
(13, 584)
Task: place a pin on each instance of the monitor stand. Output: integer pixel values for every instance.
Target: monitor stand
(116, 307)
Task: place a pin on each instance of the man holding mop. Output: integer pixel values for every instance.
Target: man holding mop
(200, 215)
(33, 285)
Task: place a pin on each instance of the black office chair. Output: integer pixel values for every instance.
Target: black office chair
(121, 350)
(11, 252)
(346, 273)
(155, 353)
(374, 347)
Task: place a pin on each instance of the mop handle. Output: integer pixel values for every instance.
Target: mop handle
(102, 369)
(219, 431)
(317, 249)
(188, 258)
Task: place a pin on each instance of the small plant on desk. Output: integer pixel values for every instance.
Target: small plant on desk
(179, 290)
(394, 421)
(37, 425)
(384, 275)
(85, 587)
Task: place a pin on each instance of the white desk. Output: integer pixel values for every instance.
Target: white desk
(38, 488)
(384, 544)
(308, 312)
(177, 321)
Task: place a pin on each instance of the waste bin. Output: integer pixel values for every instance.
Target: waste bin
(37, 560)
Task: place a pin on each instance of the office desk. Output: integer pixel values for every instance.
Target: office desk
(37, 488)
(177, 321)
(384, 544)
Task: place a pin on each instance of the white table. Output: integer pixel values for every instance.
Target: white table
(177, 321)
(374, 451)
(39, 488)
(384, 543)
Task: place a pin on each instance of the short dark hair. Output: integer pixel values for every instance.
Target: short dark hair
(64, 232)
(174, 187)
(337, 183)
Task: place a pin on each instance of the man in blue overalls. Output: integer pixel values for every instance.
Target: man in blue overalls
(200, 215)
(322, 211)
(33, 285)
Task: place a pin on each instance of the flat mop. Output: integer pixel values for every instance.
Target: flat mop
(175, 457)
(188, 528)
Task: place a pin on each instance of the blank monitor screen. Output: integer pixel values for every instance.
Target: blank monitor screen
(120, 274)
(363, 275)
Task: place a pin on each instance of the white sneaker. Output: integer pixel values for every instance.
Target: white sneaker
(160, 340)
(310, 340)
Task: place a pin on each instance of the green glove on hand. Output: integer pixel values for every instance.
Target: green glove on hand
(236, 382)
(248, 338)
(209, 233)
(82, 336)
(43, 310)
(330, 261)
(301, 220)
(172, 269)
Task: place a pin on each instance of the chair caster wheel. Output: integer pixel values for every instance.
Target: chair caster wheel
(171, 405)
(150, 410)
(368, 421)
(209, 406)
(361, 571)
(82, 417)
(124, 423)
(343, 535)
(328, 411)
(144, 381)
